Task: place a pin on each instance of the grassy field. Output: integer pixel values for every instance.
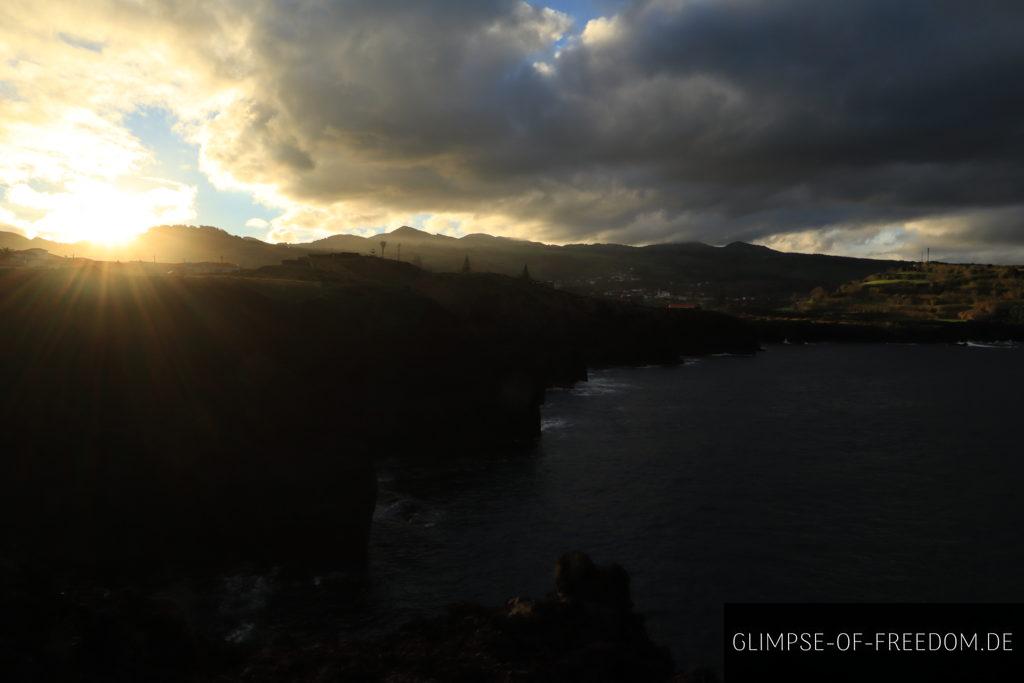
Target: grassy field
(934, 292)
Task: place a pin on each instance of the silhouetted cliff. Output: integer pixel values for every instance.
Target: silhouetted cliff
(155, 421)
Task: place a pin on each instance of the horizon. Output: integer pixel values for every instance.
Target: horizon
(864, 130)
(115, 246)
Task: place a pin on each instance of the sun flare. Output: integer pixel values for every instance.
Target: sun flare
(75, 175)
(103, 212)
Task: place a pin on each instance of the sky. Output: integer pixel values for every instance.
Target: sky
(863, 127)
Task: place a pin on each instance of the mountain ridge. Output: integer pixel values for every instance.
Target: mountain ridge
(737, 275)
(9, 238)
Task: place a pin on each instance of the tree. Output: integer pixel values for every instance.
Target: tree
(383, 245)
(465, 265)
(526, 273)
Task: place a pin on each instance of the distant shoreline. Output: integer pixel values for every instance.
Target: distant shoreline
(793, 331)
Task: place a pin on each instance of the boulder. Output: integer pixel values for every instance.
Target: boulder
(578, 579)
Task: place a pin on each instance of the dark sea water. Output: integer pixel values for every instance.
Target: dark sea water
(816, 473)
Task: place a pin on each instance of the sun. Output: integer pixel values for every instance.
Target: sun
(105, 212)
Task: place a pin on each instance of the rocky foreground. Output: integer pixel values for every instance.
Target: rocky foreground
(586, 630)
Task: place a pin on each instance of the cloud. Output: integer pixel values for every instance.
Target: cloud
(69, 167)
(83, 43)
(857, 127)
(600, 30)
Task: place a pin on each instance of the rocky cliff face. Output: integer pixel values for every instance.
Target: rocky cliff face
(155, 422)
(157, 429)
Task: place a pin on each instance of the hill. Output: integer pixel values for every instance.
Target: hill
(737, 277)
(916, 303)
(15, 242)
(167, 244)
(938, 291)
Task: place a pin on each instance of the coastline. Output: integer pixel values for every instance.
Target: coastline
(797, 331)
(381, 367)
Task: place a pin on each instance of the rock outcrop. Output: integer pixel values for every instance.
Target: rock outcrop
(579, 580)
(585, 631)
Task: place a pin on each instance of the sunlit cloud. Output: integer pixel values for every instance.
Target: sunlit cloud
(599, 30)
(668, 120)
(70, 169)
(77, 176)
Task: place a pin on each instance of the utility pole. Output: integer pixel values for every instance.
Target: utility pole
(399, 256)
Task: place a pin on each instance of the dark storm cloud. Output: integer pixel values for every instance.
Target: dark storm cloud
(700, 119)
